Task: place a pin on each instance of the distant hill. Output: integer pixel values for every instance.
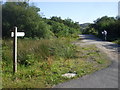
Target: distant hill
(84, 25)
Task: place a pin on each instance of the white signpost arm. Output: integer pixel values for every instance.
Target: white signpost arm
(15, 51)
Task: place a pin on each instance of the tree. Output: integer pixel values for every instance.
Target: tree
(25, 17)
(110, 24)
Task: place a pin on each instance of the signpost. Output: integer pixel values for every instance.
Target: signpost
(18, 34)
(15, 34)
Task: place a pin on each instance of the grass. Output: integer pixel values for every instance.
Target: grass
(117, 41)
(41, 63)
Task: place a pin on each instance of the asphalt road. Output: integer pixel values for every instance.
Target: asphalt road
(105, 78)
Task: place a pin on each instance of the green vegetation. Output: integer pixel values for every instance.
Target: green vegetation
(46, 44)
(27, 19)
(117, 41)
(110, 24)
(46, 52)
(41, 63)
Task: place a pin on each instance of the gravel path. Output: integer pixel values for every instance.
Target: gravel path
(106, 78)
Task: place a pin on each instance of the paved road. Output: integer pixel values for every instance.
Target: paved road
(106, 78)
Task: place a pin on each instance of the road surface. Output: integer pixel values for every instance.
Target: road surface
(105, 78)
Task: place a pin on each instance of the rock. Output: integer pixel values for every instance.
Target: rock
(69, 75)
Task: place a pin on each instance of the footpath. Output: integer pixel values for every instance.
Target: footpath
(105, 78)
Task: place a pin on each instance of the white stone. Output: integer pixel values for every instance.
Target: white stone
(69, 75)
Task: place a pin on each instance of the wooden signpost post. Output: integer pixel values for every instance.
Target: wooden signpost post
(15, 34)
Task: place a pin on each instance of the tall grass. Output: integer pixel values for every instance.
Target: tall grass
(36, 59)
(41, 63)
(30, 51)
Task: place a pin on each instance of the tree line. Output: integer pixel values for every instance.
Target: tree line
(27, 19)
(110, 24)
